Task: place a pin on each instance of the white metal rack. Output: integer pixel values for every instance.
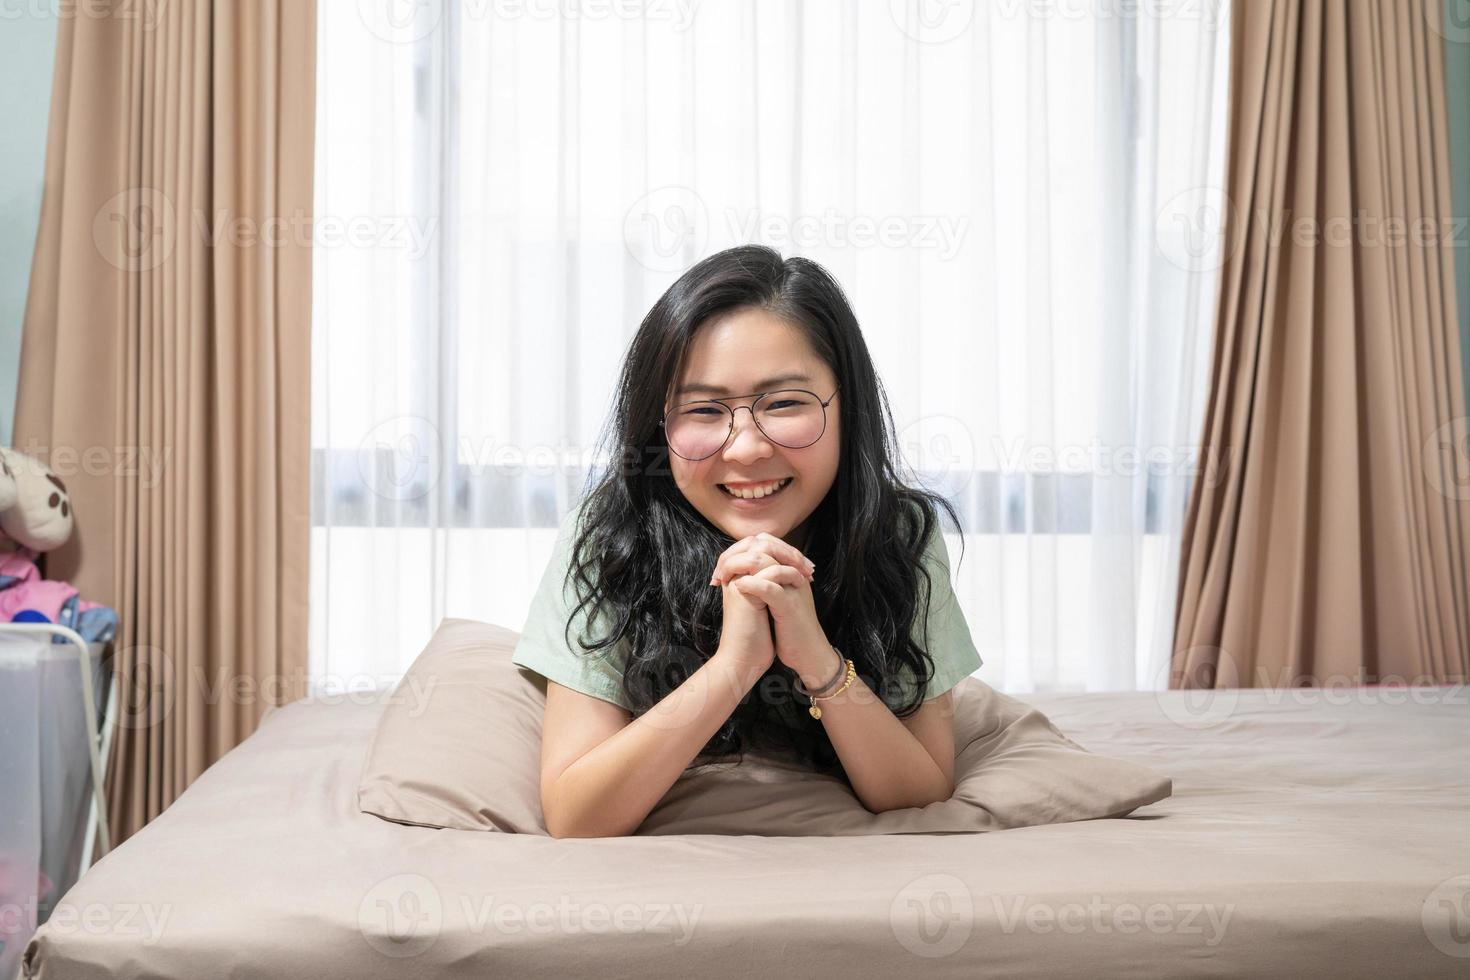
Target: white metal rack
(99, 734)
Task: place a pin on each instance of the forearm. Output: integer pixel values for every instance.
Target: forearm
(611, 789)
(888, 767)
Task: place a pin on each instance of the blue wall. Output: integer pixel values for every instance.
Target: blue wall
(27, 48)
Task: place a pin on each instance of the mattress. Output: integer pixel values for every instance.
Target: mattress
(1310, 833)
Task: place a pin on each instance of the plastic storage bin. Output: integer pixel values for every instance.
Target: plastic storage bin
(50, 756)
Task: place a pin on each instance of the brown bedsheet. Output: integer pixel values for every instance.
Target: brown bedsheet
(1309, 834)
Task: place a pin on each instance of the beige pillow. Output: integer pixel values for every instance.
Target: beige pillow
(459, 746)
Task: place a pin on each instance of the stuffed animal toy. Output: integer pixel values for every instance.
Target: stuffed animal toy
(36, 516)
(35, 509)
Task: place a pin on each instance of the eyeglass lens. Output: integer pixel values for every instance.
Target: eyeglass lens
(792, 418)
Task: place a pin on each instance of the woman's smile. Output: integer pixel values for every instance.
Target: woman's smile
(754, 495)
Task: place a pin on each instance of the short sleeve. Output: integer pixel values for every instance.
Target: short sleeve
(948, 642)
(543, 647)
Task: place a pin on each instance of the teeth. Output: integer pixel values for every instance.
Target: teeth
(755, 493)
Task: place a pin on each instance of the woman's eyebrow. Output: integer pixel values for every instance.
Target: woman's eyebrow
(765, 385)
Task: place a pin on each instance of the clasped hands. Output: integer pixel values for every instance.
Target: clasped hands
(775, 574)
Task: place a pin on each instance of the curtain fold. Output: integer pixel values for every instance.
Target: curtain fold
(1333, 547)
(165, 366)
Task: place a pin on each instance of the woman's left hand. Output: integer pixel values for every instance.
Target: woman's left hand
(801, 643)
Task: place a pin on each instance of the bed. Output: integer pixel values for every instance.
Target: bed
(1310, 833)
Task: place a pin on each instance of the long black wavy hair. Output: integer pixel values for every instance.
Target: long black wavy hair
(642, 554)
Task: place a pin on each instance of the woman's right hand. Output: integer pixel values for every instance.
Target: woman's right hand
(745, 633)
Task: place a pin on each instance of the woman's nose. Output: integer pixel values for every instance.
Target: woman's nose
(740, 446)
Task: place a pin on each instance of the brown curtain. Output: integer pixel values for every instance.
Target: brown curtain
(1330, 544)
(165, 364)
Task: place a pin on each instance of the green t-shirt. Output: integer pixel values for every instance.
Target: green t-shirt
(543, 648)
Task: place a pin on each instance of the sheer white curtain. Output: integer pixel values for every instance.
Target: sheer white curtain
(1017, 197)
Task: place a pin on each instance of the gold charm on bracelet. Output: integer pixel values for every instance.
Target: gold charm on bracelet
(816, 712)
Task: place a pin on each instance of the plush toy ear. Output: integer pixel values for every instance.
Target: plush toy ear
(41, 517)
(9, 492)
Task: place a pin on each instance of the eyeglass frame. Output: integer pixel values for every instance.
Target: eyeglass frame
(757, 395)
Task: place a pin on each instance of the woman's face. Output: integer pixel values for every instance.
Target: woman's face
(746, 352)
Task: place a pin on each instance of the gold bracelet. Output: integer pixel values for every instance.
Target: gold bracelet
(828, 687)
(816, 712)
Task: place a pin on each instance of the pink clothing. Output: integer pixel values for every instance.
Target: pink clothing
(30, 591)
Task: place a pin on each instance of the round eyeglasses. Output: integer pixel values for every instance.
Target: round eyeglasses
(792, 418)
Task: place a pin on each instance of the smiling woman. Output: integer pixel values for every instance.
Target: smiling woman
(832, 575)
